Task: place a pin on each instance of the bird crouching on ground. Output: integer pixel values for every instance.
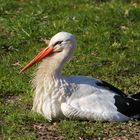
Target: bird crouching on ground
(80, 97)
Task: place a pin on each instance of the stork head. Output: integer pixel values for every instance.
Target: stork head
(61, 45)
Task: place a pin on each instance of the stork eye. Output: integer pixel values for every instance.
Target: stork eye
(58, 42)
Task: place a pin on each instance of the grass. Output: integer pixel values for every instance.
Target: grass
(108, 37)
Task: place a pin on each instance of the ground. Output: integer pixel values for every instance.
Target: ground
(108, 48)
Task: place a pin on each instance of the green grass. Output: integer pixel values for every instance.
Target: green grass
(108, 38)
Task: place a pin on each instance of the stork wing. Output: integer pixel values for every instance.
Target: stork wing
(92, 100)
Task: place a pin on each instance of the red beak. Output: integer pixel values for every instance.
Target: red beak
(44, 53)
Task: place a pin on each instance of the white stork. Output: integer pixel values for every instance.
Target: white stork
(57, 96)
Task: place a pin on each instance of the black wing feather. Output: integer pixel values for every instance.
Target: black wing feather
(127, 106)
(108, 86)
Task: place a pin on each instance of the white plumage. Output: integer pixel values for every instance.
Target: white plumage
(80, 97)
